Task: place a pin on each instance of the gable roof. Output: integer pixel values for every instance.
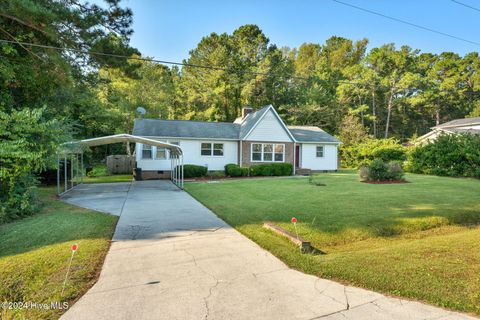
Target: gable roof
(311, 134)
(186, 129)
(247, 124)
(460, 122)
(225, 130)
(254, 118)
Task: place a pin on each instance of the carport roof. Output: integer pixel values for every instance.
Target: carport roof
(117, 138)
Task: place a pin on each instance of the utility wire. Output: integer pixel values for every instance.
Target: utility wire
(161, 61)
(466, 5)
(406, 22)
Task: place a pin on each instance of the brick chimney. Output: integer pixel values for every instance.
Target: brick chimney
(246, 111)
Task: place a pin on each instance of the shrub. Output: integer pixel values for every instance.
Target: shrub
(272, 169)
(98, 171)
(364, 172)
(193, 171)
(379, 170)
(216, 174)
(448, 155)
(395, 171)
(361, 154)
(234, 170)
(29, 143)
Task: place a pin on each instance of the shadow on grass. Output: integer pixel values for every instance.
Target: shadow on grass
(56, 222)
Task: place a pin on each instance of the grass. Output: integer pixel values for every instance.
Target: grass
(418, 240)
(34, 255)
(109, 179)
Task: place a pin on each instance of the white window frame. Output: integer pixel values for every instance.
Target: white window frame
(212, 149)
(150, 148)
(323, 151)
(272, 153)
(165, 157)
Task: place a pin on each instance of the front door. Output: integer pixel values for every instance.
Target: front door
(297, 156)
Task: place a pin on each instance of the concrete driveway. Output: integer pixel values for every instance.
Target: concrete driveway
(172, 258)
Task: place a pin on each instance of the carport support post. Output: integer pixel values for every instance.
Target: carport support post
(71, 170)
(81, 167)
(58, 173)
(181, 168)
(66, 171)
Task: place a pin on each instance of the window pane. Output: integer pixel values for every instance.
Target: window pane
(320, 151)
(206, 149)
(267, 157)
(146, 151)
(218, 149)
(256, 156)
(267, 147)
(161, 153)
(257, 147)
(279, 157)
(279, 148)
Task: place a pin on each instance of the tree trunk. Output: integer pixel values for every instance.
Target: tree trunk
(374, 115)
(389, 112)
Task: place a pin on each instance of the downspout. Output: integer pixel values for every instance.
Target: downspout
(241, 153)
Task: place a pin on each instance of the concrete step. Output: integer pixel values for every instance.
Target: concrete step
(303, 172)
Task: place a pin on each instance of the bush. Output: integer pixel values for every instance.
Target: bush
(379, 170)
(272, 169)
(362, 154)
(29, 144)
(98, 171)
(194, 171)
(448, 155)
(395, 171)
(216, 174)
(234, 170)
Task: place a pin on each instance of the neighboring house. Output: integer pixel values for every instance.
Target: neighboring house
(255, 138)
(468, 125)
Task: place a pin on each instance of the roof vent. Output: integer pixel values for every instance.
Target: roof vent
(246, 111)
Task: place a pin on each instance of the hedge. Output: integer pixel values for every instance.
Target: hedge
(193, 171)
(363, 153)
(267, 169)
(449, 155)
(272, 169)
(234, 170)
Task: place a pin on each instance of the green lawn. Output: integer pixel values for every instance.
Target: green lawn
(108, 179)
(34, 255)
(418, 240)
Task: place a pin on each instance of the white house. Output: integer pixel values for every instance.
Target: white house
(467, 125)
(255, 138)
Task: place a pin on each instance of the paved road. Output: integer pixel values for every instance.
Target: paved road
(172, 258)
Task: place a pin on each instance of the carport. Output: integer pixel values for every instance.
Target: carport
(71, 158)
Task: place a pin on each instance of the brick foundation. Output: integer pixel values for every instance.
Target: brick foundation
(155, 175)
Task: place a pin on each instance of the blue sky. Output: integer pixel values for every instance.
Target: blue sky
(169, 29)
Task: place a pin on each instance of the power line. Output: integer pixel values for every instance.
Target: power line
(159, 61)
(407, 23)
(466, 5)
